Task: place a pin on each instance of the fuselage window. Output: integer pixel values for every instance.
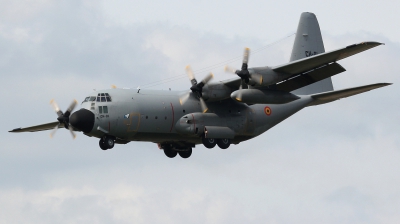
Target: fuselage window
(103, 110)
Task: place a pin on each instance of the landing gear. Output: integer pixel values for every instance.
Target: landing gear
(102, 145)
(186, 154)
(224, 143)
(208, 142)
(169, 152)
(106, 142)
(109, 142)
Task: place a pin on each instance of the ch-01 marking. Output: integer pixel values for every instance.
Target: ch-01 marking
(310, 53)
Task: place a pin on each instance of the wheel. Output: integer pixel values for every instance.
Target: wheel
(109, 142)
(170, 152)
(209, 142)
(224, 143)
(102, 145)
(186, 154)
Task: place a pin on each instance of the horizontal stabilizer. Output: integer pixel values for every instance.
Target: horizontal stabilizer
(321, 98)
(306, 64)
(42, 127)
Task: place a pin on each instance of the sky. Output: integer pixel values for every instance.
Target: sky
(333, 163)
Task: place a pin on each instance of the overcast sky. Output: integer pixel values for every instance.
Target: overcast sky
(334, 163)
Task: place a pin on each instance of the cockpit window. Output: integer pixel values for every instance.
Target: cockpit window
(86, 99)
(92, 98)
(103, 97)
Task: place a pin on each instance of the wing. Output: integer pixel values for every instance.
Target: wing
(309, 63)
(42, 127)
(232, 83)
(321, 98)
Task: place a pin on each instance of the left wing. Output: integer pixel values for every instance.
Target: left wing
(306, 64)
(42, 127)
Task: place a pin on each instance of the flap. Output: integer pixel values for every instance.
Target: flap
(309, 78)
(306, 64)
(321, 98)
(42, 127)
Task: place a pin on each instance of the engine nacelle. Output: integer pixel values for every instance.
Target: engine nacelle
(258, 96)
(216, 92)
(265, 76)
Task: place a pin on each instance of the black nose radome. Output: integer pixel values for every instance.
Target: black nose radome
(83, 120)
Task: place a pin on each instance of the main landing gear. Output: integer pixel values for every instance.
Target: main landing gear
(210, 143)
(171, 153)
(106, 142)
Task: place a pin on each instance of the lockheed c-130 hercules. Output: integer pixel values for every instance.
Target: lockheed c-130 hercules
(219, 113)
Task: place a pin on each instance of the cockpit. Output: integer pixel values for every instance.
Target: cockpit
(101, 97)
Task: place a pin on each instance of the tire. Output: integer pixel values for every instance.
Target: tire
(224, 143)
(109, 142)
(102, 145)
(170, 153)
(208, 142)
(186, 154)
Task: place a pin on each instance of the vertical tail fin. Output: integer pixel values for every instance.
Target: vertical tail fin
(309, 42)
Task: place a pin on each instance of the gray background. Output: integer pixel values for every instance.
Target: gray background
(335, 163)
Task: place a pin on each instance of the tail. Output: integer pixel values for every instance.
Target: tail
(309, 42)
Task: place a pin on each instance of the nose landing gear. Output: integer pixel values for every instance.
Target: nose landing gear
(107, 142)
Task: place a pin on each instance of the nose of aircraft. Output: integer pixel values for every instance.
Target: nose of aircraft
(83, 120)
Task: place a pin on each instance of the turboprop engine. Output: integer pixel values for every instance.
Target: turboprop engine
(259, 96)
(260, 76)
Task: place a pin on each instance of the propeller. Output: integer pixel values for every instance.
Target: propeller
(244, 73)
(63, 118)
(197, 88)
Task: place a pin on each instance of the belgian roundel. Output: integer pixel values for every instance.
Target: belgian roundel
(267, 111)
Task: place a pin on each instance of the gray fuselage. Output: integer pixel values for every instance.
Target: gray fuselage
(157, 115)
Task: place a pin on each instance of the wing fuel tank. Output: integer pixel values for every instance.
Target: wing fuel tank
(258, 96)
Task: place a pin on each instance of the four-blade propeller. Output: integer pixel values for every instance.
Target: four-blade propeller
(197, 88)
(244, 73)
(63, 118)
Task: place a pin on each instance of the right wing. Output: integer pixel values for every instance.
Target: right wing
(42, 127)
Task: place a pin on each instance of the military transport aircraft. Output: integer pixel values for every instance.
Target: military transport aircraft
(222, 113)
